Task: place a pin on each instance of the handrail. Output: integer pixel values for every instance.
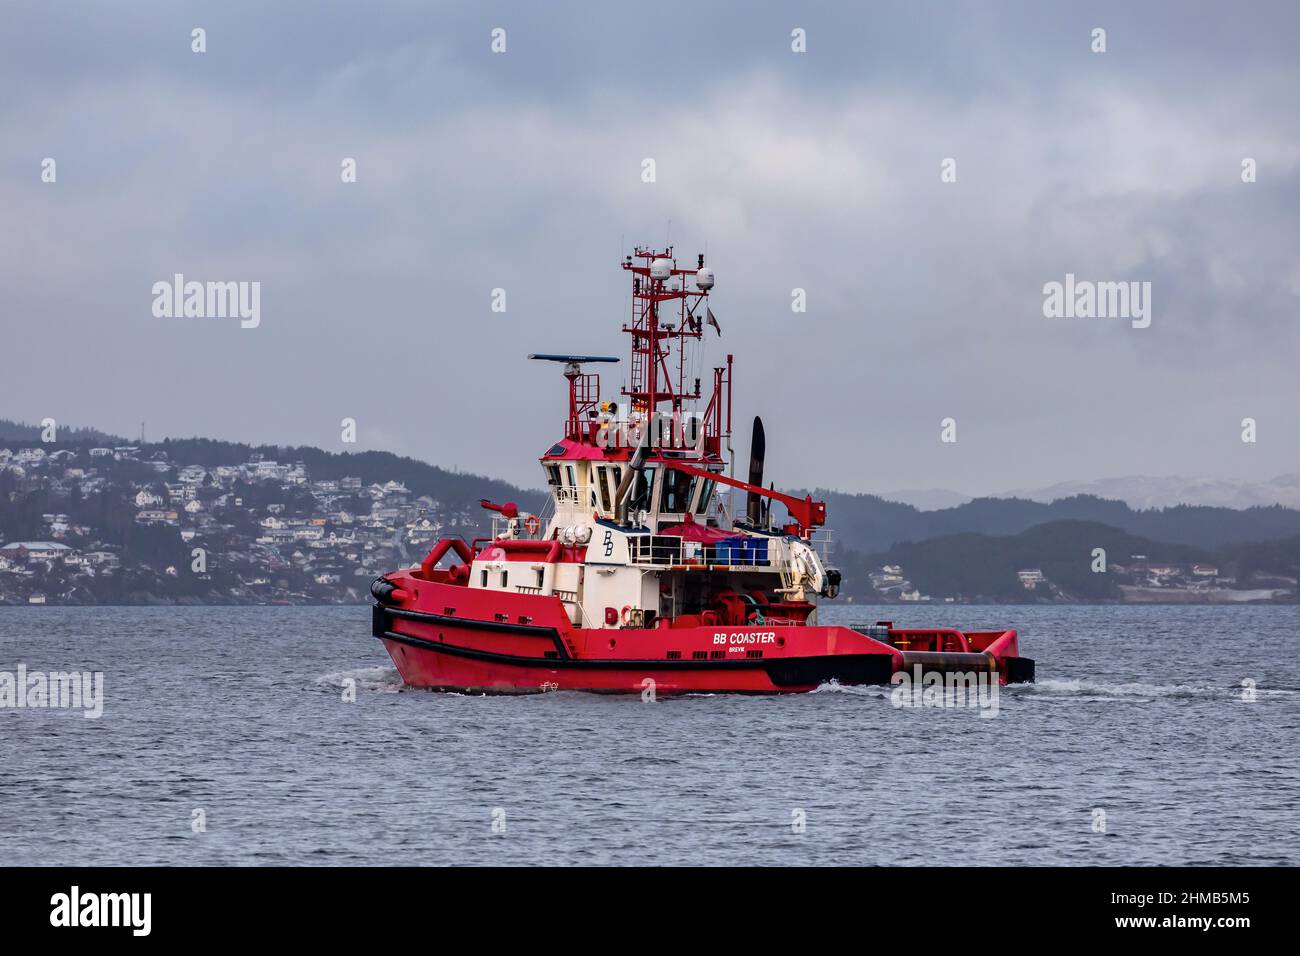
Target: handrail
(670, 549)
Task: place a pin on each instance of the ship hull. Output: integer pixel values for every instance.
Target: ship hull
(455, 638)
(448, 665)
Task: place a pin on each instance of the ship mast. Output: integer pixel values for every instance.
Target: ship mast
(669, 311)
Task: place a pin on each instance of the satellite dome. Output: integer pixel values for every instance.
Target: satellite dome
(661, 268)
(704, 278)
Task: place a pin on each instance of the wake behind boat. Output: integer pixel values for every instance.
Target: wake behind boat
(641, 574)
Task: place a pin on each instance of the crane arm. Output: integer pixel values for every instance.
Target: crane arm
(807, 514)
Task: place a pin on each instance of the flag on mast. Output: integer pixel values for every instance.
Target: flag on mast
(712, 320)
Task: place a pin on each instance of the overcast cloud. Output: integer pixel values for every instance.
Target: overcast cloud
(522, 171)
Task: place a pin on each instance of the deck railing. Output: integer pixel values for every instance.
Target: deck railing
(823, 543)
(664, 550)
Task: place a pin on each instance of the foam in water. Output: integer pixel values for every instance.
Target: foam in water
(383, 680)
(1083, 689)
(859, 690)
(1137, 690)
(386, 680)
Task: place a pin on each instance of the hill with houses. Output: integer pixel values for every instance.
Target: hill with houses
(96, 519)
(201, 521)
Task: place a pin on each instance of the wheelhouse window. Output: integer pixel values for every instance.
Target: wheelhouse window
(602, 483)
(642, 489)
(675, 497)
(553, 475)
(706, 492)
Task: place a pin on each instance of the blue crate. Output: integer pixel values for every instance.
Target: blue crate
(731, 551)
(755, 550)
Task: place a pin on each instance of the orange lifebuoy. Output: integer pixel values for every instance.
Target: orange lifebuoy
(533, 524)
(626, 615)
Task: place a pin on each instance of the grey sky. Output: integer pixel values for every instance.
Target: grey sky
(522, 171)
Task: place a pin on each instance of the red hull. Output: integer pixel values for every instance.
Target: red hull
(422, 667)
(452, 637)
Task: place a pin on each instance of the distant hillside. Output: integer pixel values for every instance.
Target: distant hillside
(1137, 491)
(869, 523)
(977, 567)
(1141, 491)
(862, 523)
(929, 499)
(454, 488)
(371, 466)
(11, 431)
(1265, 558)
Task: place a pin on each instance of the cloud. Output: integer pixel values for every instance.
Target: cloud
(523, 172)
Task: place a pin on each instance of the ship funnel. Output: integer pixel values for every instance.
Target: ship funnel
(757, 451)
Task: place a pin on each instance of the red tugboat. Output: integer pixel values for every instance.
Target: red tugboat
(640, 574)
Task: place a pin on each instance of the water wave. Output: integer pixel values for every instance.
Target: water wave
(1080, 687)
(383, 680)
(1084, 689)
(859, 690)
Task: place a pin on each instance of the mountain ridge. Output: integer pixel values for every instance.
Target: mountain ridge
(862, 522)
(1137, 491)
